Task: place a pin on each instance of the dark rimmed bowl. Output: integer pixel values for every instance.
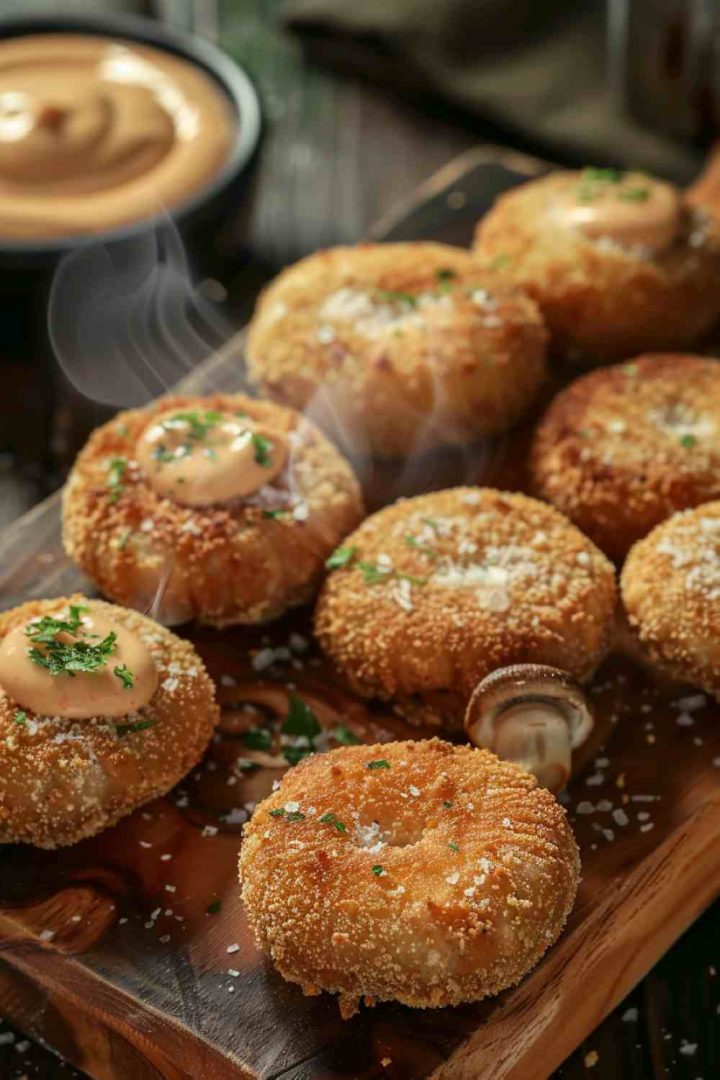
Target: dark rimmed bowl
(209, 204)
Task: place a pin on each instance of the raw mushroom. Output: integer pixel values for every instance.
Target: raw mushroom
(531, 714)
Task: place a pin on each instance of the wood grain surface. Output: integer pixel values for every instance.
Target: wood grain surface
(118, 955)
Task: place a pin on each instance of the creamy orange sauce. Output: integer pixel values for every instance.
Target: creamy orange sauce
(83, 694)
(95, 133)
(200, 458)
(633, 210)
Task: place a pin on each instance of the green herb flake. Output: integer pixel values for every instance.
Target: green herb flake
(278, 812)
(295, 754)
(498, 262)
(198, 421)
(125, 675)
(378, 870)
(122, 539)
(688, 440)
(257, 739)
(396, 296)
(300, 720)
(295, 815)
(453, 847)
(214, 907)
(67, 658)
(445, 273)
(274, 515)
(635, 194)
(447, 804)
(372, 574)
(413, 542)
(116, 474)
(20, 717)
(340, 557)
(345, 736)
(262, 448)
(330, 819)
(381, 763)
(140, 725)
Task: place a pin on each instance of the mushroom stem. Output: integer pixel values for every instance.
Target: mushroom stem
(533, 715)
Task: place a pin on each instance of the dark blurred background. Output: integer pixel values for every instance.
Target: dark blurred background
(362, 102)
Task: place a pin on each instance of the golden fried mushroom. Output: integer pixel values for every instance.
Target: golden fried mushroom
(101, 710)
(671, 591)
(220, 508)
(433, 593)
(623, 448)
(417, 872)
(619, 263)
(397, 347)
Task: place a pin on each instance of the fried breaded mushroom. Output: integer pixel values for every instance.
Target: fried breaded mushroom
(619, 262)
(219, 508)
(101, 710)
(417, 872)
(624, 447)
(397, 347)
(671, 591)
(433, 593)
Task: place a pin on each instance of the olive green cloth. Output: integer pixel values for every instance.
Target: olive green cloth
(534, 68)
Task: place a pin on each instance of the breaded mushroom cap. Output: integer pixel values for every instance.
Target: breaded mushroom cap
(671, 591)
(245, 561)
(603, 301)
(433, 593)
(62, 780)
(417, 872)
(623, 448)
(397, 347)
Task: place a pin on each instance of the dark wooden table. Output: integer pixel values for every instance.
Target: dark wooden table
(338, 155)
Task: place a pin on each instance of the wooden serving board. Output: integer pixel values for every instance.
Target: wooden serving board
(130, 954)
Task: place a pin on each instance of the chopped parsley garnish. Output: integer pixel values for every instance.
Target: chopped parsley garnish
(447, 803)
(301, 722)
(381, 763)
(372, 574)
(636, 194)
(68, 658)
(453, 847)
(199, 422)
(125, 676)
(278, 812)
(163, 455)
(275, 515)
(378, 870)
(116, 474)
(341, 556)
(687, 440)
(214, 907)
(20, 717)
(140, 725)
(261, 449)
(330, 819)
(445, 273)
(412, 542)
(295, 815)
(593, 181)
(498, 262)
(397, 296)
(257, 739)
(345, 736)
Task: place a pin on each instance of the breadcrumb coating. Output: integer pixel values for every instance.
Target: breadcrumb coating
(624, 447)
(671, 590)
(603, 302)
(416, 872)
(62, 780)
(397, 347)
(433, 593)
(241, 562)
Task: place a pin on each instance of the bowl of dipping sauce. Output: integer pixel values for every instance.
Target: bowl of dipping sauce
(107, 123)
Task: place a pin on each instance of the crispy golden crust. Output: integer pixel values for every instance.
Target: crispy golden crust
(62, 780)
(476, 579)
(476, 871)
(396, 346)
(671, 592)
(222, 564)
(602, 302)
(623, 448)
